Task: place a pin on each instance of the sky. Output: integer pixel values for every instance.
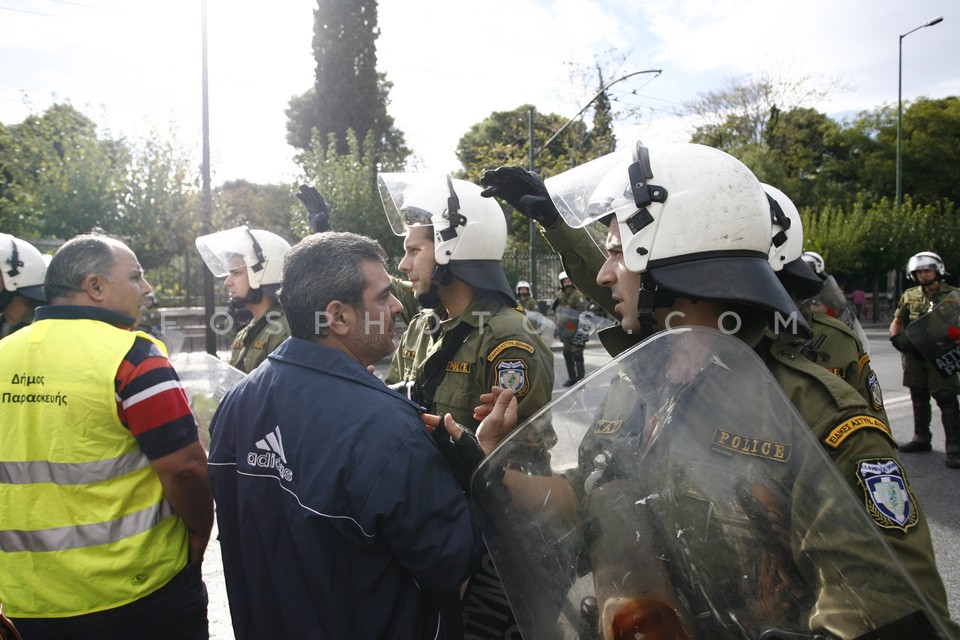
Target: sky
(135, 66)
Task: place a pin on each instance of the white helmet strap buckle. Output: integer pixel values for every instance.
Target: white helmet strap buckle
(779, 218)
(453, 213)
(14, 260)
(644, 193)
(258, 252)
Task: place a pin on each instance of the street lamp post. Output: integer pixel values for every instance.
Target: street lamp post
(928, 23)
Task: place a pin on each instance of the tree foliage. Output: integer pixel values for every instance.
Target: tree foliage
(348, 92)
(57, 178)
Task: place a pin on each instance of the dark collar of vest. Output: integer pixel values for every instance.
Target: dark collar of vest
(80, 312)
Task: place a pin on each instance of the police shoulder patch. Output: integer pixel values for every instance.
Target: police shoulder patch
(876, 396)
(259, 344)
(861, 363)
(512, 374)
(519, 344)
(850, 426)
(886, 495)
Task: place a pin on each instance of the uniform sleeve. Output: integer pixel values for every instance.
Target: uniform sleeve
(152, 402)
(582, 260)
(524, 364)
(423, 516)
(864, 452)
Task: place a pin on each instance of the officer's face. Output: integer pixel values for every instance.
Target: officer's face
(624, 284)
(237, 282)
(523, 292)
(374, 324)
(925, 276)
(123, 289)
(418, 258)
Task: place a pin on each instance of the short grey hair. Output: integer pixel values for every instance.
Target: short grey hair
(79, 257)
(319, 269)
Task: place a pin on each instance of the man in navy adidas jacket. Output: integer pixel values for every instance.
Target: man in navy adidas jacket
(338, 516)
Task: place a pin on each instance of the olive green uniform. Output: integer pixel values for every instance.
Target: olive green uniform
(917, 371)
(497, 350)
(529, 303)
(851, 431)
(839, 350)
(258, 339)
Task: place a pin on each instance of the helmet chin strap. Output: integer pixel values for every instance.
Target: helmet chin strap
(650, 298)
(253, 296)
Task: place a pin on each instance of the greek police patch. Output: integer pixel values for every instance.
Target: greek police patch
(886, 494)
(876, 396)
(512, 374)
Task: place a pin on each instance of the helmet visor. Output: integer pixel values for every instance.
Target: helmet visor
(592, 191)
(227, 250)
(414, 199)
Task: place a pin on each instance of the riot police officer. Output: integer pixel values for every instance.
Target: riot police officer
(22, 268)
(525, 299)
(834, 345)
(568, 304)
(470, 335)
(675, 261)
(922, 378)
(250, 263)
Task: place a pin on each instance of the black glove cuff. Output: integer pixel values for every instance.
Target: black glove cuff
(895, 340)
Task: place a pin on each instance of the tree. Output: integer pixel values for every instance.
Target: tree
(930, 150)
(348, 92)
(57, 178)
(158, 202)
(739, 113)
(503, 138)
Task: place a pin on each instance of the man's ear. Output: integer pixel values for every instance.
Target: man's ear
(93, 286)
(339, 318)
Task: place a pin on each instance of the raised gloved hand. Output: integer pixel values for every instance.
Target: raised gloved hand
(318, 211)
(524, 191)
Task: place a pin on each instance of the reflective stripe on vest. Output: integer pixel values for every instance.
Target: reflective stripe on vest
(78, 496)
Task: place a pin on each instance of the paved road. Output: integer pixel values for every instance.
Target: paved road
(931, 480)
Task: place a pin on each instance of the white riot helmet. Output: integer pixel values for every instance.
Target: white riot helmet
(521, 285)
(261, 251)
(815, 261)
(693, 220)
(22, 267)
(785, 257)
(469, 231)
(562, 276)
(926, 260)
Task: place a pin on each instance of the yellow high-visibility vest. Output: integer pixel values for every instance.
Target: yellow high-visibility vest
(84, 525)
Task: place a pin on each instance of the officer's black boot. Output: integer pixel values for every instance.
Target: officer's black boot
(578, 365)
(921, 422)
(950, 415)
(571, 369)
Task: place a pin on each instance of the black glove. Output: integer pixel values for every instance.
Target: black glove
(318, 211)
(524, 191)
(898, 342)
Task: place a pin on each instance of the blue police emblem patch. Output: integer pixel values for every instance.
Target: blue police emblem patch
(512, 374)
(876, 396)
(886, 494)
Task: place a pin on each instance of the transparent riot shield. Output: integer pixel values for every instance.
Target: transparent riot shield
(540, 324)
(936, 335)
(206, 379)
(831, 301)
(687, 499)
